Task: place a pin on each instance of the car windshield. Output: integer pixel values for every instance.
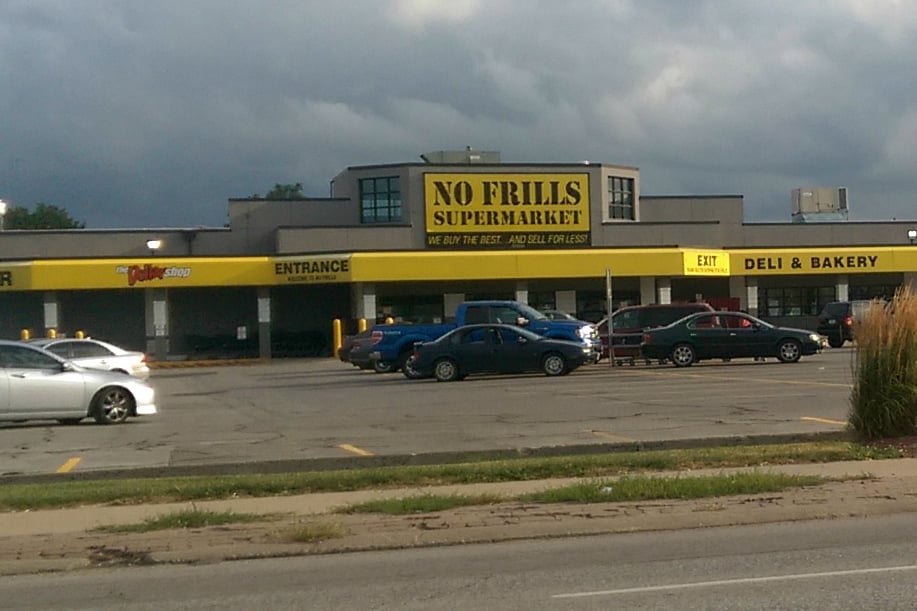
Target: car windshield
(531, 313)
(626, 319)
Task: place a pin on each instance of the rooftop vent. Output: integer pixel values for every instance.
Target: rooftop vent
(468, 156)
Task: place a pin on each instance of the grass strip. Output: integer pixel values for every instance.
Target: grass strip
(602, 491)
(425, 503)
(656, 488)
(187, 518)
(312, 533)
(177, 489)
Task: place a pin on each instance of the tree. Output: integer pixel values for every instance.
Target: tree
(286, 192)
(45, 216)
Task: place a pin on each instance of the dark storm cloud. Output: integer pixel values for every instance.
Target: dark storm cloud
(155, 113)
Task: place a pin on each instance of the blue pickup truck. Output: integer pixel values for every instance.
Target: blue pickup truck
(393, 344)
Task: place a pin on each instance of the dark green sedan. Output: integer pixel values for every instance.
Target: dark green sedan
(727, 335)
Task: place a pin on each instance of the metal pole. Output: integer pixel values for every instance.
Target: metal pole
(608, 308)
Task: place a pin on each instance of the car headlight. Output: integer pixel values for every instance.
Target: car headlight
(586, 331)
(815, 337)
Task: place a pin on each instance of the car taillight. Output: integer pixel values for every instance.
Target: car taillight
(646, 338)
(848, 321)
(376, 336)
(143, 358)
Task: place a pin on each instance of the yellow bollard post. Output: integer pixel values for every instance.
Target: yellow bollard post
(52, 333)
(336, 335)
(24, 334)
(361, 325)
(389, 320)
(79, 335)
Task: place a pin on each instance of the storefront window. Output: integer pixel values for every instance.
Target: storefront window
(872, 292)
(543, 300)
(411, 308)
(794, 301)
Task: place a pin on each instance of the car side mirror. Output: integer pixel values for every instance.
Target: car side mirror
(522, 321)
(67, 366)
(522, 340)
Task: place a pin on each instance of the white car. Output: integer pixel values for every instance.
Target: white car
(95, 354)
(38, 385)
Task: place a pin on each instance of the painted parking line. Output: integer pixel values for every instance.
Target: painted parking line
(612, 436)
(67, 466)
(709, 376)
(740, 581)
(355, 450)
(823, 420)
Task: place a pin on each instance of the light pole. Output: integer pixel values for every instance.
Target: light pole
(2, 214)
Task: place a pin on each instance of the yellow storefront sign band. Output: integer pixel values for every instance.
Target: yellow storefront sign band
(823, 261)
(420, 266)
(506, 203)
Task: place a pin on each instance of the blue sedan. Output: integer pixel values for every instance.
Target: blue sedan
(495, 348)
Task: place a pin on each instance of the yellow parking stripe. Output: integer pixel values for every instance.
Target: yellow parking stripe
(822, 420)
(355, 449)
(729, 378)
(612, 436)
(67, 466)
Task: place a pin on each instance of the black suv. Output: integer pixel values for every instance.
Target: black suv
(836, 321)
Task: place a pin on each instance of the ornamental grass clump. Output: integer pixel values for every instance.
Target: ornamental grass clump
(884, 397)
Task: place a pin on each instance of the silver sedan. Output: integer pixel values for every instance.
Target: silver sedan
(96, 354)
(38, 385)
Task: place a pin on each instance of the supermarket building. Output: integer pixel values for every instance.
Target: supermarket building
(411, 240)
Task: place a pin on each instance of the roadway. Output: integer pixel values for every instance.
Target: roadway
(321, 412)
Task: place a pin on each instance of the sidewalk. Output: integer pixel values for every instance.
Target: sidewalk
(60, 539)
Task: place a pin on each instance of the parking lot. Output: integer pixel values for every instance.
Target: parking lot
(281, 413)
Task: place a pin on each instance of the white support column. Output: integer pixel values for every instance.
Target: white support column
(566, 301)
(663, 290)
(647, 290)
(751, 296)
(522, 291)
(737, 289)
(51, 314)
(842, 284)
(364, 301)
(157, 322)
(451, 302)
(264, 321)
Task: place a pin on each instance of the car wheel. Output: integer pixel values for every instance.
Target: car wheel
(446, 370)
(383, 366)
(835, 341)
(554, 364)
(112, 405)
(683, 355)
(789, 351)
(69, 421)
(409, 371)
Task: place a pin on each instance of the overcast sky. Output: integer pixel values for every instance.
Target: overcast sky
(153, 113)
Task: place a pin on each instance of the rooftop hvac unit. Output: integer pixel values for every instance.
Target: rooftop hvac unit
(468, 156)
(820, 204)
